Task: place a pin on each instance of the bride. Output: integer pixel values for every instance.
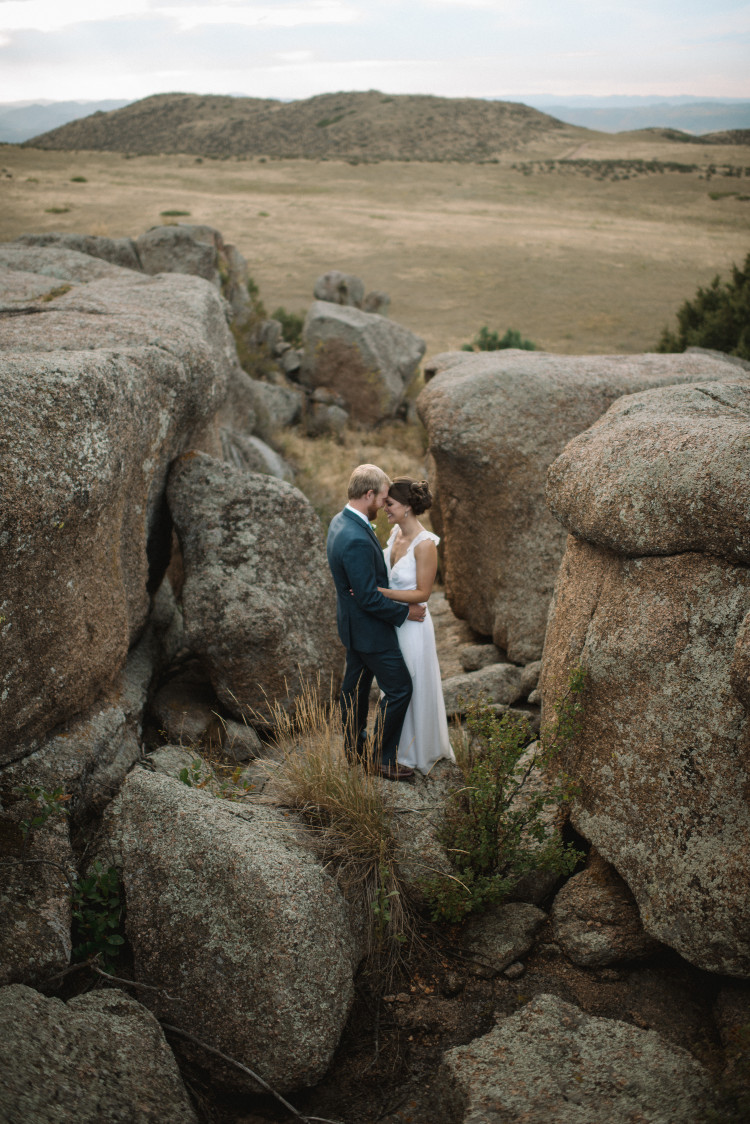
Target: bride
(411, 558)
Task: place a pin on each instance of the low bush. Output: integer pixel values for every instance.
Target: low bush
(292, 324)
(717, 318)
(485, 340)
(500, 826)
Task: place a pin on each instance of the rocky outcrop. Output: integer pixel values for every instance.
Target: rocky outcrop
(99, 1057)
(495, 422)
(35, 908)
(340, 288)
(45, 265)
(501, 936)
(102, 387)
(494, 683)
(368, 360)
(661, 756)
(228, 913)
(595, 919)
(552, 1062)
(662, 473)
(116, 251)
(259, 606)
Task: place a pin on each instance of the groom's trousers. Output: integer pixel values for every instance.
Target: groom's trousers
(393, 678)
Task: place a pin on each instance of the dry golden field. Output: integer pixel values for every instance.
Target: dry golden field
(579, 264)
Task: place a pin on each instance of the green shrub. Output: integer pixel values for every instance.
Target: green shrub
(291, 324)
(97, 916)
(485, 340)
(718, 317)
(78, 179)
(497, 825)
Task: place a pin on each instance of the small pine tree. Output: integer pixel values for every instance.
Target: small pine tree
(485, 340)
(718, 317)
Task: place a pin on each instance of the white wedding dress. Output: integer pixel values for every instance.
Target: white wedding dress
(424, 738)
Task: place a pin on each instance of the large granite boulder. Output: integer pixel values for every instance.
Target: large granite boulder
(117, 251)
(231, 914)
(368, 360)
(661, 756)
(550, 1062)
(102, 387)
(96, 1059)
(662, 472)
(496, 421)
(258, 601)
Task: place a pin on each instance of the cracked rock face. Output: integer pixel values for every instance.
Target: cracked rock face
(662, 756)
(100, 1057)
(259, 605)
(496, 421)
(551, 1062)
(101, 387)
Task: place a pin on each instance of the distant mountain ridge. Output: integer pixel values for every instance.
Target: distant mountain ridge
(19, 122)
(696, 117)
(367, 125)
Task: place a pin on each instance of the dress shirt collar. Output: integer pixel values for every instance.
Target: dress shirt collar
(361, 514)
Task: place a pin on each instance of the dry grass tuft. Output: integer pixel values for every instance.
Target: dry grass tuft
(351, 813)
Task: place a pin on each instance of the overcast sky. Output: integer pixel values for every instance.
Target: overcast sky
(93, 49)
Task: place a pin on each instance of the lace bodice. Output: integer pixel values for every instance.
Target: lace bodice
(404, 574)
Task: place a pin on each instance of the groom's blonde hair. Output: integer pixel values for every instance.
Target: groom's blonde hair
(365, 478)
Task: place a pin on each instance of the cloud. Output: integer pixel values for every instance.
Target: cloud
(52, 15)
(262, 15)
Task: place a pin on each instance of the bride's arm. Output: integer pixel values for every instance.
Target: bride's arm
(425, 555)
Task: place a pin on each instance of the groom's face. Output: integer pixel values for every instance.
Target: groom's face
(376, 500)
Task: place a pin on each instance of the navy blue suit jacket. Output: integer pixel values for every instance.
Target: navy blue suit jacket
(367, 620)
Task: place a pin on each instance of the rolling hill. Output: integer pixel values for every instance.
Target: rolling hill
(371, 126)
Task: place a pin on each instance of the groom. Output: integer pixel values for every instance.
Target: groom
(367, 625)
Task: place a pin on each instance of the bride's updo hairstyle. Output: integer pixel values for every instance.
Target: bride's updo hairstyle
(415, 494)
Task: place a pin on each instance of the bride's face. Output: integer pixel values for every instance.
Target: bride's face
(395, 511)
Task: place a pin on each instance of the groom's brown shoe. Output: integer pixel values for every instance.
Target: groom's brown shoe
(395, 772)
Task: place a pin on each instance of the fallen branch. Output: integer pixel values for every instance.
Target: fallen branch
(249, 1072)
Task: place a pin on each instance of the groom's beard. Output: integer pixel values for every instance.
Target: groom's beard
(372, 512)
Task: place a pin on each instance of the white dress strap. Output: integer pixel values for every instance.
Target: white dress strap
(422, 537)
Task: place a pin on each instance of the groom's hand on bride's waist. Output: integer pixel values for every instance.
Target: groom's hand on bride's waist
(416, 613)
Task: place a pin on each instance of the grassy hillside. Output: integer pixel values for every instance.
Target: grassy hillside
(370, 126)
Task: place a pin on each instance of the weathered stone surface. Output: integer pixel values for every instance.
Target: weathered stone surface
(35, 909)
(240, 741)
(502, 935)
(180, 249)
(496, 421)
(662, 473)
(417, 816)
(117, 251)
(90, 755)
(496, 683)
(377, 301)
(476, 656)
(530, 678)
(551, 1062)
(260, 907)
(595, 919)
(660, 756)
(253, 406)
(184, 710)
(367, 359)
(56, 264)
(250, 454)
(340, 288)
(259, 606)
(101, 389)
(98, 1058)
